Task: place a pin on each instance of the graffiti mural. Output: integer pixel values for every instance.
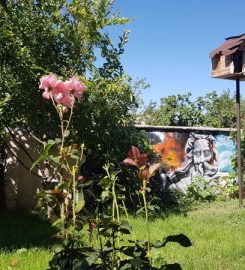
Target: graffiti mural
(185, 156)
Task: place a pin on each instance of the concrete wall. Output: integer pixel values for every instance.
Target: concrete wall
(186, 153)
(20, 184)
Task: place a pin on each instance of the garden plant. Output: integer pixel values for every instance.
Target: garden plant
(64, 195)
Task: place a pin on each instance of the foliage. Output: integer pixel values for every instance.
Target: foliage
(113, 252)
(63, 194)
(220, 110)
(223, 188)
(68, 37)
(234, 161)
(39, 37)
(135, 256)
(212, 228)
(180, 110)
(201, 190)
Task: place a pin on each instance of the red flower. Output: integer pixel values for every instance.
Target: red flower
(136, 159)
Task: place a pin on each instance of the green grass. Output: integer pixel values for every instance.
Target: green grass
(30, 259)
(217, 231)
(25, 242)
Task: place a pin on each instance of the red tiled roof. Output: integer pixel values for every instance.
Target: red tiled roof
(231, 45)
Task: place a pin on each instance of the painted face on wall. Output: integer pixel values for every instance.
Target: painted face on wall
(203, 157)
(202, 152)
(195, 156)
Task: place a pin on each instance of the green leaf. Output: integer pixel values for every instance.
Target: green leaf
(67, 133)
(57, 248)
(55, 159)
(182, 239)
(51, 142)
(40, 159)
(57, 223)
(125, 266)
(36, 67)
(62, 186)
(81, 265)
(21, 250)
(80, 202)
(158, 244)
(75, 157)
(173, 266)
(44, 153)
(121, 187)
(57, 140)
(48, 146)
(140, 210)
(104, 182)
(125, 227)
(3, 3)
(7, 33)
(105, 194)
(137, 262)
(88, 183)
(92, 258)
(127, 250)
(125, 231)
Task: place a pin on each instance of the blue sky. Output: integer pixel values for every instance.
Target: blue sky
(170, 42)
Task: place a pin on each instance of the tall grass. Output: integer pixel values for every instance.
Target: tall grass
(217, 231)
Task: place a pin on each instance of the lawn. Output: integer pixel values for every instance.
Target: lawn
(217, 231)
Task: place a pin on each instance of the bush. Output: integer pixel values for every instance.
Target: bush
(222, 188)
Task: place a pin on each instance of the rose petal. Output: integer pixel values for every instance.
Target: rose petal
(81, 179)
(48, 81)
(46, 95)
(153, 168)
(68, 101)
(143, 159)
(78, 94)
(134, 153)
(68, 85)
(144, 173)
(59, 87)
(130, 162)
(58, 97)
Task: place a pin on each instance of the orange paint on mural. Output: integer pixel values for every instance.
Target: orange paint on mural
(171, 151)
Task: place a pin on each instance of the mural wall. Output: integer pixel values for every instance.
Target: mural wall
(187, 155)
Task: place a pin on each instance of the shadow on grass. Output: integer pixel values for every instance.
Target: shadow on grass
(18, 230)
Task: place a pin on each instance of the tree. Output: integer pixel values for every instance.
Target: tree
(212, 110)
(65, 37)
(220, 110)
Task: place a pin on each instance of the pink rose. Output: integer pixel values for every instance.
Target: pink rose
(63, 92)
(62, 96)
(75, 87)
(48, 81)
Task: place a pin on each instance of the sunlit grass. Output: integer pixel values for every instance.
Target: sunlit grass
(25, 259)
(217, 231)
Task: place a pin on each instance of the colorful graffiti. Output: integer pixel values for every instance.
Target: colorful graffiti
(186, 156)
